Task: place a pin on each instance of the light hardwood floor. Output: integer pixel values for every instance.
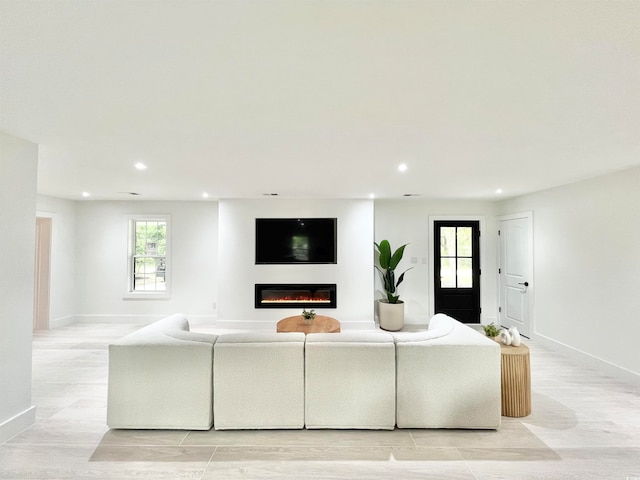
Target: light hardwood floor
(584, 425)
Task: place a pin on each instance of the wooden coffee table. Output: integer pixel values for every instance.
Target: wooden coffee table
(320, 324)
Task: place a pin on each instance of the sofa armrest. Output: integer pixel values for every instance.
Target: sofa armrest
(451, 381)
(160, 377)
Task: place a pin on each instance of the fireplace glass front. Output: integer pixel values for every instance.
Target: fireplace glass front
(286, 295)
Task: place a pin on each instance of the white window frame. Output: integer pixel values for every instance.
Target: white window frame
(131, 239)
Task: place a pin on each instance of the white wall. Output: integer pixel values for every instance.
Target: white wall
(587, 268)
(407, 220)
(63, 294)
(353, 274)
(18, 166)
(89, 257)
(101, 261)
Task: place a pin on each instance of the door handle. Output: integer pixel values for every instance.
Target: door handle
(526, 284)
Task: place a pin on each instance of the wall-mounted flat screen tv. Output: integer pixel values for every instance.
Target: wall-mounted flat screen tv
(296, 240)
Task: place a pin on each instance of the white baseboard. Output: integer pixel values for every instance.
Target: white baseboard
(202, 319)
(62, 321)
(130, 319)
(488, 320)
(11, 427)
(589, 361)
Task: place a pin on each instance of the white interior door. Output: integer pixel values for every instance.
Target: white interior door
(516, 272)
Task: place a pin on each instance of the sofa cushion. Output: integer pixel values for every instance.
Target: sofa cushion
(175, 321)
(350, 337)
(261, 337)
(350, 380)
(259, 380)
(440, 325)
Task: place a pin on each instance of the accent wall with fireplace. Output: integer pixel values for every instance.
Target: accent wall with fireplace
(247, 292)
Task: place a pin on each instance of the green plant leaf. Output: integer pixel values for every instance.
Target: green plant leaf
(397, 256)
(385, 253)
(390, 281)
(388, 264)
(401, 278)
(491, 330)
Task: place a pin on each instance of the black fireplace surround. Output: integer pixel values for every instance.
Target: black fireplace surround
(290, 295)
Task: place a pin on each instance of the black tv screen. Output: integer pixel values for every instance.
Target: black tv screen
(296, 240)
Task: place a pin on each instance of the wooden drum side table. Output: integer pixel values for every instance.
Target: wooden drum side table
(516, 381)
(320, 324)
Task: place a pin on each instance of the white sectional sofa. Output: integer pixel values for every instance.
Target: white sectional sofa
(161, 377)
(166, 377)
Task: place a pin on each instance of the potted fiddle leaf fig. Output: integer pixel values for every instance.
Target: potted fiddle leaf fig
(391, 309)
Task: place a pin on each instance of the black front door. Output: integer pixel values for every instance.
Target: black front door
(457, 269)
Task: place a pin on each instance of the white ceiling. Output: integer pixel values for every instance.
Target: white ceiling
(320, 98)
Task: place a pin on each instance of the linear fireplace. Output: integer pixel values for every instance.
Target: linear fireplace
(288, 295)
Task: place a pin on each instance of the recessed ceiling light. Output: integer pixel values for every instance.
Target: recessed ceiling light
(498, 191)
(140, 166)
(86, 194)
(402, 167)
(372, 195)
(205, 195)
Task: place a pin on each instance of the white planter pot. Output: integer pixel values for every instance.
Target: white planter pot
(391, 315)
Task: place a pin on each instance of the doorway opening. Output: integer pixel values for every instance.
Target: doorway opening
(457, 269)
(42, 276)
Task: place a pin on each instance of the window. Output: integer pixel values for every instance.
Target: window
(148, 262)
(456, 257)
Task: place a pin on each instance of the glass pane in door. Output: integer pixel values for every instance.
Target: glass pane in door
(448, 241)
(464, 241)
(447, 273)
(465, 274)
